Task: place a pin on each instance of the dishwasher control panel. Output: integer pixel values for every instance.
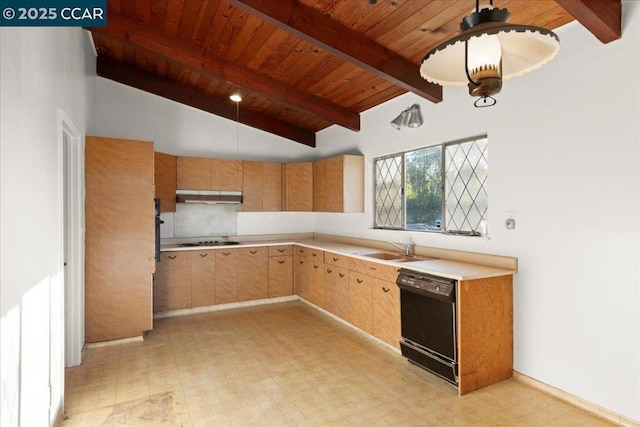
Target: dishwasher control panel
(426, 284)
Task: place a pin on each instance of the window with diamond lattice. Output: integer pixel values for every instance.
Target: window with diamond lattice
(439, 188)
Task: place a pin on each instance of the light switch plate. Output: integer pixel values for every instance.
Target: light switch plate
(510, 224)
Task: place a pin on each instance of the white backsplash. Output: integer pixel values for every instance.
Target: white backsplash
(196, 220)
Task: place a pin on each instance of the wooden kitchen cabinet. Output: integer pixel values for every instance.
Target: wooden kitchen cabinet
(165, 181)
(338, 184)
(227, 262)
(119, 239)
(203, 278)
(309, 275)
(336, 291)
(200, 173)
(280, 271)
(226, 175)
(299, 187)
(172, 282)
(361, 300)
(193, 173)
(261, 186)
(253, 274)
(386, 312)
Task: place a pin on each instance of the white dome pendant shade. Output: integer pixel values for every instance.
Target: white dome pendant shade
(488, 50)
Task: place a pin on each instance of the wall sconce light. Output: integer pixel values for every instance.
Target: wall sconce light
(488, 50)
(411, 117)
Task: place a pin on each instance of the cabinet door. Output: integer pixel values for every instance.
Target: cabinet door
(335, 185)
(299, 187)
(165, 180)
(119, 240)
(301, 283)
(253, 274)
(226, 175)
(280, 276)
(172, 282)
(315, 282)
(361, 301)
(193, 173)
(386, 312)
(336, 291)
(203, 278)
(226, 275)
(252, 186)
(271, 187)
(320, 186)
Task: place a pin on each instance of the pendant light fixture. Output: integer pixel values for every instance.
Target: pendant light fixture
(411, 117)
(488, 50)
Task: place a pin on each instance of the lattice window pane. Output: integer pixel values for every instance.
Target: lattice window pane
(466, 171)
(389, 194)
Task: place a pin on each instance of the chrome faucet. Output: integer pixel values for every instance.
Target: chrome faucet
(406, 248)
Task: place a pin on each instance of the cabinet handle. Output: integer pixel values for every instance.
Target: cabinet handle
(384, 289)
(372, 268)
(329, 271)
(335, 259)
(315, 254)
(359, 280)
(280, 250)
(203, 255)
(301, 251)
(315, 266)
(341, 274)
(226, 253)
(280, 261)
(253, 252)
(301, 262)
(172, 256)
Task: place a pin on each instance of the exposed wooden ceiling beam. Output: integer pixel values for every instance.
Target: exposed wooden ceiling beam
(154, 41)
(151, 83)
(602, 17)
(318, 29)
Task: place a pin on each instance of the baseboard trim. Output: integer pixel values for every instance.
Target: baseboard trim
(576, 401)
(221, 307)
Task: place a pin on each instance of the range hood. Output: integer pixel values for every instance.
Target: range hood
(208, 197)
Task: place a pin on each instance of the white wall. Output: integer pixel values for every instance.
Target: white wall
(41, 70)
(564, 154)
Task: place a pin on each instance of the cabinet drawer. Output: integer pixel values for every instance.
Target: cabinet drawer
(316, 254)
(254, 252)
(336, 259)
(377, 270)
(280, 250)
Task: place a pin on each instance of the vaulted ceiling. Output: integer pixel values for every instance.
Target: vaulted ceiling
(301, 65)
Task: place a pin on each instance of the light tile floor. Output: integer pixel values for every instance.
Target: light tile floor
(280, 365)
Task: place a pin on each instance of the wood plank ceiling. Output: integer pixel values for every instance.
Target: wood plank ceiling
(301, 65)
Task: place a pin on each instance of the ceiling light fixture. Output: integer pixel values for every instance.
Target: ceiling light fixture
(488, 50)
(411, 117)
(236, 97)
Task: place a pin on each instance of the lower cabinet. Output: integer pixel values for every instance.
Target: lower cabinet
(336, 291)
(172, 282)
(309, 276)
(203, 278)
(361, 300)
(280, 271)
(227, 262)
(253, 276)
(386, 312)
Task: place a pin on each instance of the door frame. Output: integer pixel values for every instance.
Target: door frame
(72, 156)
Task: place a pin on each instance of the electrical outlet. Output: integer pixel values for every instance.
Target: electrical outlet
(510, 224)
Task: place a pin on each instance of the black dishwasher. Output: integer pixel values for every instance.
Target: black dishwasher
(428, 319)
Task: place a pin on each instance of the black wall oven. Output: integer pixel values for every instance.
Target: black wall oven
(428, 318)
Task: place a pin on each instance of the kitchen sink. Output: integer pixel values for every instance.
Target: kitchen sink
(386, 256)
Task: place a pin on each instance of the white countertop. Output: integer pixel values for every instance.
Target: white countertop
(439, 267)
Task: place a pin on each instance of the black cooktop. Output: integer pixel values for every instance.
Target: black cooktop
(210, 243)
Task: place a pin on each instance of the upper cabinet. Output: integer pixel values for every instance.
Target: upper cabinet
(338, 184)
(198, 173)
(165, 180)
(299, 187)
(261, 186)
